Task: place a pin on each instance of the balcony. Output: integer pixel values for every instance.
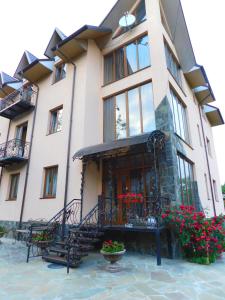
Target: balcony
(13, 151)
(16, 104)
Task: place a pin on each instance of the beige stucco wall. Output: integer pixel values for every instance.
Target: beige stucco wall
(87, 125)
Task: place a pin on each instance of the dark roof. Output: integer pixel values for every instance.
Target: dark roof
(6, 79)
(79, 31)
(101, 149)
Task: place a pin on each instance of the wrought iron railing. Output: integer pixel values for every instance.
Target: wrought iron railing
(14, 149)
(144, 212)
(24, 95)
(71, 212)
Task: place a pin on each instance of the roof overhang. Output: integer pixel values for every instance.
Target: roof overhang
(203, 94)
(76, 43)
(107, 149)
(195, 77)
(214, 115)
(37, 70)
(9, 88)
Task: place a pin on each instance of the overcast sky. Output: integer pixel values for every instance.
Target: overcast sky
(28, 25)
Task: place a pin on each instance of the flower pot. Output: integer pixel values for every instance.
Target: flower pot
(113, 257)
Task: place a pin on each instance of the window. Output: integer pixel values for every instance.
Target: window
(55, 124)
(208, 146)
(215, 190)
(127, 60)
(186, 180)
(199, 135)
(50, 181)
(206, 185)
(179, 116)
(60, 72)
(129, 113)
(14, 182)
(173, 65)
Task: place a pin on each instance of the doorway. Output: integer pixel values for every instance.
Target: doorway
(20, 140)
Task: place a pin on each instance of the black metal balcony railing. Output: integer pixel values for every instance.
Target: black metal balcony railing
(135, 212)
(16, 103)
(13, 151)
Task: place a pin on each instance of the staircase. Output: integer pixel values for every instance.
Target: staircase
(80, 239)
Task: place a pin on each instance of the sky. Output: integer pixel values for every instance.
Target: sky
(30, 24)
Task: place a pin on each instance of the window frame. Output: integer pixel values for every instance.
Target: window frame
(56, 67)
(215, 191)
(46, 170)
(209, 149)
(125, 68)
(140, 105)
(186, 138)
(184, 159)
(177, 79)
(11, 192)
(51, 112)
(207, 187)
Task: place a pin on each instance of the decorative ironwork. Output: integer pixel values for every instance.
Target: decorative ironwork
(14, 149)
(156, 141)
(134, 213)
(23, 95)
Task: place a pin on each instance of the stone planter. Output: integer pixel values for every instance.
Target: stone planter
(113, 258)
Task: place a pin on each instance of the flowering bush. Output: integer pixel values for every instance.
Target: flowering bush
(202, 240)
(112, 246)
(41, 237)
(131, 198)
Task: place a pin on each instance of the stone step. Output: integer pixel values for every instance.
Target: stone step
(61, 260)
(88, 233)
(63, 251)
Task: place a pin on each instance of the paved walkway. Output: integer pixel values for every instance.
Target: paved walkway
(140, 279)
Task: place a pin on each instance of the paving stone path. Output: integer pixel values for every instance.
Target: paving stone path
(139, 279)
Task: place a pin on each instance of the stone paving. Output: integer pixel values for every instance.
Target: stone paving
(140, 278)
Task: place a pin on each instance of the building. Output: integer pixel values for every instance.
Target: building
(97, 96)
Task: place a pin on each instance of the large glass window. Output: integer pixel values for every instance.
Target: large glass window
(172, 65)
(179, 116)
(14, 183)
(129, 113)
(127, 60)
(186, 180)
(60, 72)
(50, 182)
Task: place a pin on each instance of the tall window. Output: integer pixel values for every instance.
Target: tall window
(208, 146)
(215, 190)
(129, 114)
(199, 135)
(14, 182)
(179, 116)
(186, 180)
(55, 124)
(173, 65)
(50, 182)
(60, 72)
(127, 60)
(207, 187)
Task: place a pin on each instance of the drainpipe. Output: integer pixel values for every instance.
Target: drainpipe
(68, 142)
(206, 154)
(7, 138)
(29, 156)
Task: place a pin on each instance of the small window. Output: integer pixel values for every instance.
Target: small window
(60, 72)
(215, 190)
(50, 182)
(14, 182)
(55, 124)
(208, 146)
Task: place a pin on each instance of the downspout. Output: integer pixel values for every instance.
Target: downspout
(29, 156)
(206, 154)
(69, 141)
(7, 138)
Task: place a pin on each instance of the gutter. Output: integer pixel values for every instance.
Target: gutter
(28, 163)
(68, 142)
